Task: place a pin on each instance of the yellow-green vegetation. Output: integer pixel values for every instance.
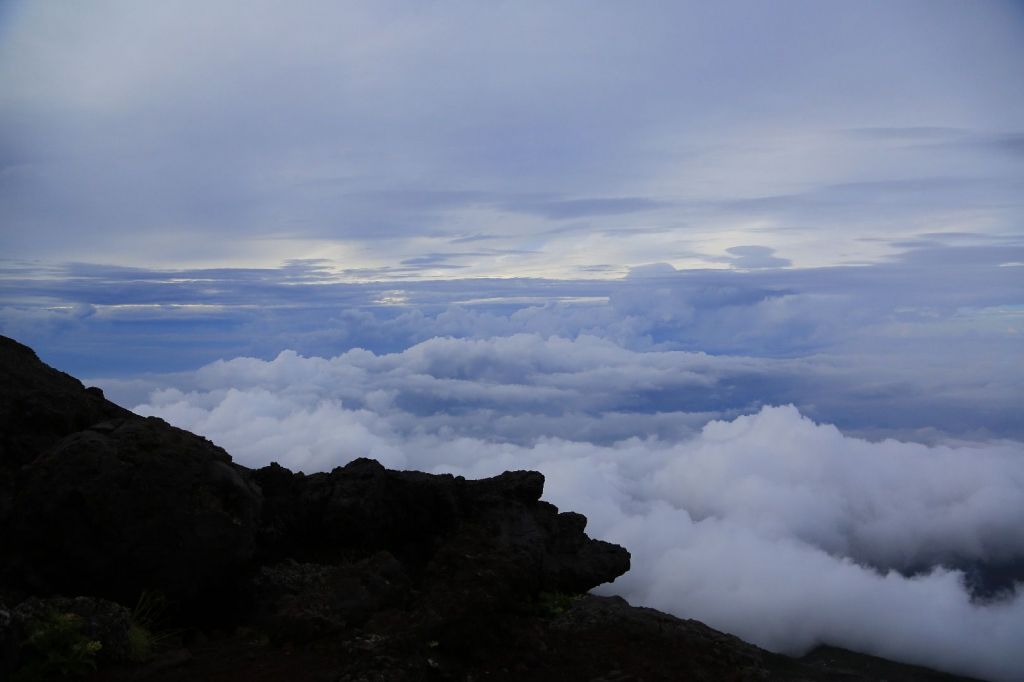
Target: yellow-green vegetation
(553, 604)
(140, 643)
(141, 638)
(55, 647)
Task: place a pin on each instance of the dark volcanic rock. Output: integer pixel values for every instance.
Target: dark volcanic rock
(106, 503)
(469, 548)
(649, 645)
(40, 405)
(511, 548)
(133, 505)
(10, 638)
(96, 500)
(469, 544)
(355, 509)
(299, 602)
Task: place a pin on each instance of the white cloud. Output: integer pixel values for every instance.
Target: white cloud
(781, 530)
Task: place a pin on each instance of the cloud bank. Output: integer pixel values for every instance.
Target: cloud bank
(781, 530)
(921, 347)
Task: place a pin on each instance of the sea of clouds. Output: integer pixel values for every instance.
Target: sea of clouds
(752, 518)
(797, 456)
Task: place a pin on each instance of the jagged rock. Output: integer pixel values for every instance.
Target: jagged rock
(511, 548)
(568, 560)
(96, 500)
(40, 405)
(470, 549)
(354, 510)
(470, 543)
(132, 505)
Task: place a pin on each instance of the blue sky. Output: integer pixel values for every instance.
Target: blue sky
(744, 279)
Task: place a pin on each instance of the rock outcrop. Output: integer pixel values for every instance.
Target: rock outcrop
(40, 405)
(130, 505)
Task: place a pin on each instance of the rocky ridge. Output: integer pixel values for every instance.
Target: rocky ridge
(130, 549)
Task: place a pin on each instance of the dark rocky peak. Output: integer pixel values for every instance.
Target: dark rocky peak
(40, 405)
(130, 505)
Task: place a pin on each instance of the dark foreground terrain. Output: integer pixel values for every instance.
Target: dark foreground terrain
(130, 549)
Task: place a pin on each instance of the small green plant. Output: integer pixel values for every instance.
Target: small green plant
(144, 618)
(551, 604)
(55, 647)
(140, 643)
(149, 608)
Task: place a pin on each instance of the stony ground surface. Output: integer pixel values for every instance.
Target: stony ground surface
(596, 639)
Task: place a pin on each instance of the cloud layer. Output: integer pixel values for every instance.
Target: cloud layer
(769, 525)
(567, 136)
(922, 347)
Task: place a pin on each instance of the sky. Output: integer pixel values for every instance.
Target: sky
(745, 280)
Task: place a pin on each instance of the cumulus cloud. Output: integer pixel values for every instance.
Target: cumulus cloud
(865, 369)
(767, 524)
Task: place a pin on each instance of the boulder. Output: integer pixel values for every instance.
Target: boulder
(353, 511)
(40, 405)
(469, 547)
(132, 505)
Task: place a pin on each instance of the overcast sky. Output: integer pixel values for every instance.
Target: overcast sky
(511, 138)
(745, 280)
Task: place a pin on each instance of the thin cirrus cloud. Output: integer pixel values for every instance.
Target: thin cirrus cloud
(196, 135)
